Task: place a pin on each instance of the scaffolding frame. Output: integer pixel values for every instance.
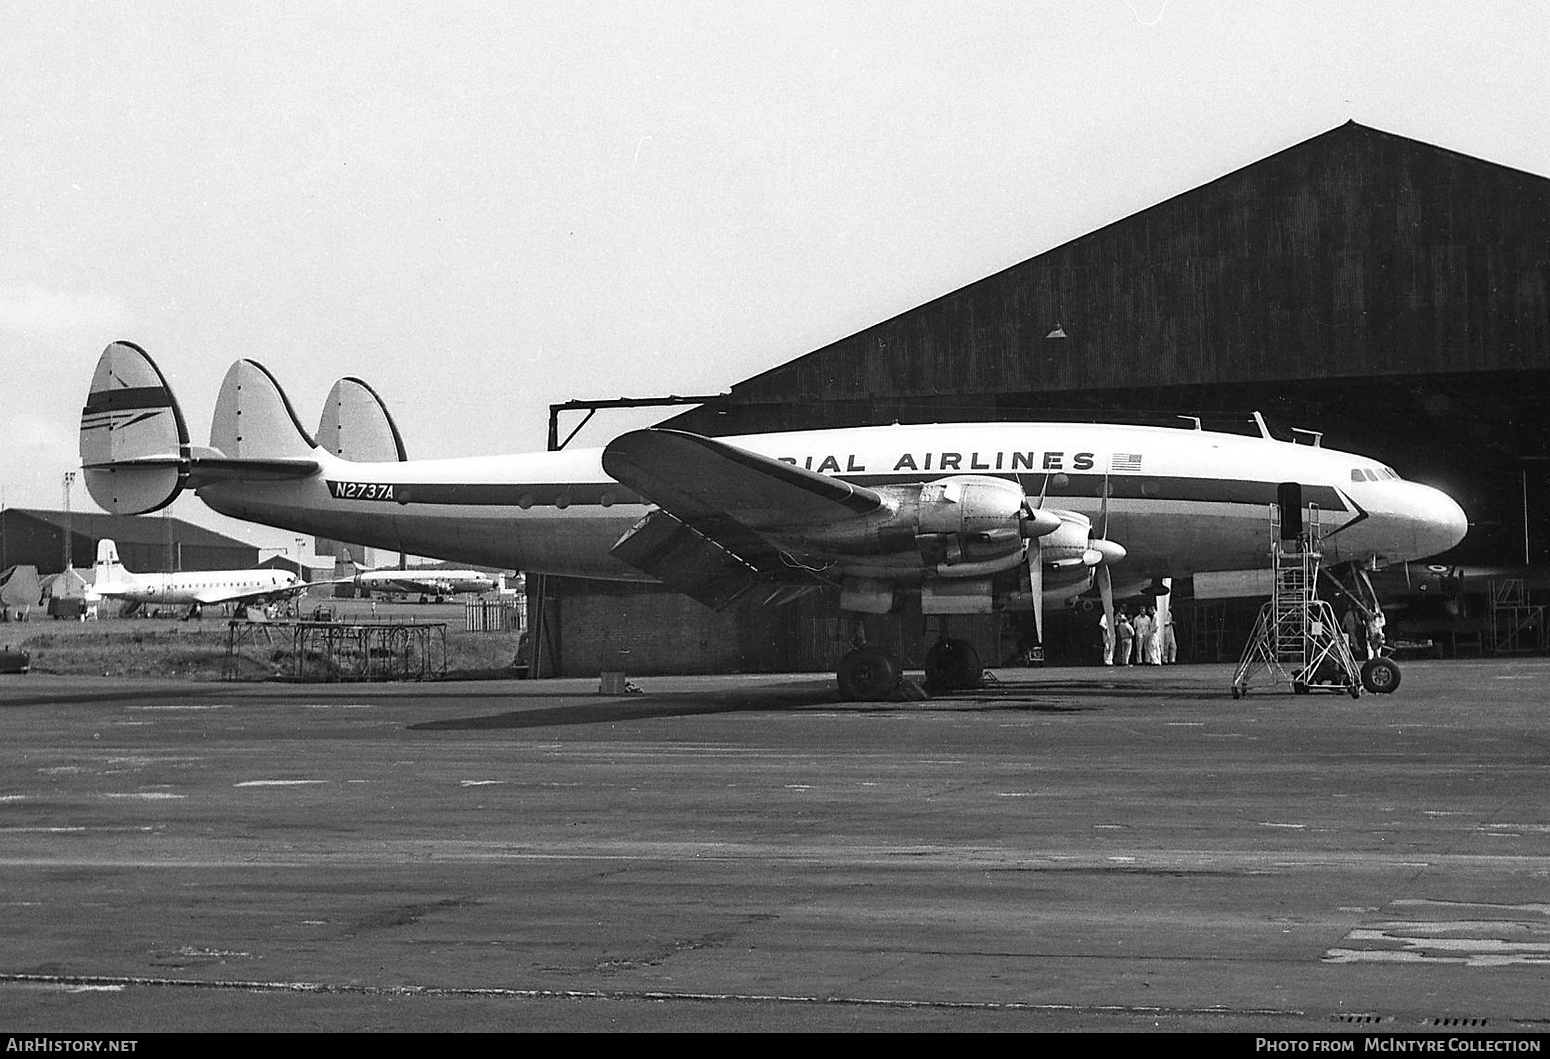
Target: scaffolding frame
(335, 652)
(1515, 625)
(1297, 640)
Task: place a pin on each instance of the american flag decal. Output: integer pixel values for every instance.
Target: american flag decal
(1123, 461)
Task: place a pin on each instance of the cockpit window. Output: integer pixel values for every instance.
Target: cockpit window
(1356, 475)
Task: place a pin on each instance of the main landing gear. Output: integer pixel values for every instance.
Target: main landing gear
(952, 665)
(871, 674)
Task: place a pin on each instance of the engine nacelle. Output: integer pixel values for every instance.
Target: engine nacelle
(1067, 545)
(969, 519)
(963, 519)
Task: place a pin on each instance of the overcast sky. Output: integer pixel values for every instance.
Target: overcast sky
(485, 208)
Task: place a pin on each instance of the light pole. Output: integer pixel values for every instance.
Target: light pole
(69, 528)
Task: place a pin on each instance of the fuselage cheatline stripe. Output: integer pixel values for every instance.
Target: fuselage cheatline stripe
(1090, 486)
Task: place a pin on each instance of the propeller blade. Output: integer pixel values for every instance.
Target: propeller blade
(1106, 592)
(1036, 585)
(1103, 510)
(1036, 521)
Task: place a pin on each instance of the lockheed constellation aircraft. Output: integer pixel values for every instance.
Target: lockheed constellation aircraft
(427, 581)
(972, 517)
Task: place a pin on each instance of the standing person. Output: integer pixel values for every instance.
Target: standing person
(1375, 637)
(1170, 645)
(1108, 639)
(1143, 630)
(1123, 632)
(1351, 626)
(1154, 637)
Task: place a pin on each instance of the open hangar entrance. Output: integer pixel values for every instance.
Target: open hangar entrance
(1390, 294)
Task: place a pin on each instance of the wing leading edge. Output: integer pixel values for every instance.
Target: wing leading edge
(717, 501)
(698, 478)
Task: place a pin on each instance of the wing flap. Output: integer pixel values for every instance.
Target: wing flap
(686, 560)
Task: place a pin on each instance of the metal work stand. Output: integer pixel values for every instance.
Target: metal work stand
(1296, 639)
(324, 651)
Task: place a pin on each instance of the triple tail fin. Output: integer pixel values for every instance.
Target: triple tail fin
(357, 426)
(134, 440)
(254, 419)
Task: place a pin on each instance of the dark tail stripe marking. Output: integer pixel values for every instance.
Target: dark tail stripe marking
(128, 397)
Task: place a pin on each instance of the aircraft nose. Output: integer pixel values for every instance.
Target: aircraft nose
(1441, 523)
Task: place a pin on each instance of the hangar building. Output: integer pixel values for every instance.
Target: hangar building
(146, 544)
(1392, 294)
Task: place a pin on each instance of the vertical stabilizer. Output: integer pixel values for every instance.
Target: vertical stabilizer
(108, 570)
(134, 443)
(357, 426)
(254, 419)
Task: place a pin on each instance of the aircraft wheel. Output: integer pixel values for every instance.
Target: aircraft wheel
(1380, 676)
(952, 664)
(868, 674)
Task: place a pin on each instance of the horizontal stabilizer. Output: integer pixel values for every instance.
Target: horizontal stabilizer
(206, 469)
(134, 442)
(357, 426)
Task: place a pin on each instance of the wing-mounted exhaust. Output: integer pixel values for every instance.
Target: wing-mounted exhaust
(357, 426)
(134, 440)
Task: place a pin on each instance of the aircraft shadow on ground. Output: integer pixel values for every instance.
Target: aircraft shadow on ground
(767, 700)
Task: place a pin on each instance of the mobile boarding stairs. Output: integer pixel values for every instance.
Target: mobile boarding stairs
(1297, 639)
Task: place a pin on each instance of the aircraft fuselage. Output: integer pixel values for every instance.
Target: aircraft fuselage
(1180, 500)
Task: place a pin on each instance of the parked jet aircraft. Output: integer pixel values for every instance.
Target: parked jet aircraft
(193, 589)
(971, 516)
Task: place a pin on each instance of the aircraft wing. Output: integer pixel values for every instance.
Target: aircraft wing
(717, 504)
(403, 584)
(209, 596)
(702, 480)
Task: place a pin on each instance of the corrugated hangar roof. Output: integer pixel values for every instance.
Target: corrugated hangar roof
(1354, 253)
(126, 529)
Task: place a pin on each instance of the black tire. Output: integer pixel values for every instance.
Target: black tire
(952, 664)
(868, 674)
(1380, 676)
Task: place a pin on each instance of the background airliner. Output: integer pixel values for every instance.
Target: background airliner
(971, 517)
(427, 582)
(193, 589)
